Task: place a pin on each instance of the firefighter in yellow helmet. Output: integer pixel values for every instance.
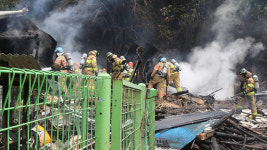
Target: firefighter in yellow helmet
(248, 91)
(175, 74)
(90, 67)
(117, 66)
(160, 77)
(128, 71)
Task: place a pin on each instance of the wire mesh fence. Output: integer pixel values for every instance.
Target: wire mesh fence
(53, 110)
(46, 110)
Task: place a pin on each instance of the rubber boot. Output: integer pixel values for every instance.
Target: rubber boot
(252, 117)
(238, 110)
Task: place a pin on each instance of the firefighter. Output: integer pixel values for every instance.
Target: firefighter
(90, 67)
(61, 64)
(160, 77)
(117, 66)
(175, 74)
(128, 71)
(248, 93)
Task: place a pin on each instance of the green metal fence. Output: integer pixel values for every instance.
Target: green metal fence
(53, 110)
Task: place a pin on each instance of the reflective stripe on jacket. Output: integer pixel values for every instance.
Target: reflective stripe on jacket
(91, 62)
(117, 65)
(61, 63)
(248, 84)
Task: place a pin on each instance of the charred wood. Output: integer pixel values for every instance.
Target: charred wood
(242, 130)
(237, 144)
(244, 142)
(219, 122)
(237, 137)
(214, 143)
(233, 148)
(233, 130)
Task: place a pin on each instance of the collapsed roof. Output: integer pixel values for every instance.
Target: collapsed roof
(18, 35)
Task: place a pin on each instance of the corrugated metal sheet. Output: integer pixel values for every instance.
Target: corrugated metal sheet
(18, 61)
(177, 138)
(176, 121)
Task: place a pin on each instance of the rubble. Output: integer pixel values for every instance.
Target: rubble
(233, 131)
(183, 104)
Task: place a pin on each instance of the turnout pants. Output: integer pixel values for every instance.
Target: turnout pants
(252, 101)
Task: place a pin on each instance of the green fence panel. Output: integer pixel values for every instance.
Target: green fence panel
(47, 110)
(103, 112)
(143, 115)
(116, 119)
(150, 118)
(128, 116)
(54, 110)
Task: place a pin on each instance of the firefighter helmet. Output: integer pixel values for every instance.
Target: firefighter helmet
(109, 55)
(243, 71)
(96, 52)
(130, 63)
(161, 59)
(59, 50)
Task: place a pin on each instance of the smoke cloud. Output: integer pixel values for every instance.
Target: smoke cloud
(65, 25)
(92, 24)
(212, 66)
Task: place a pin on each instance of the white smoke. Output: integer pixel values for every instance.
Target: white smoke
(212, 67)
(64, 25)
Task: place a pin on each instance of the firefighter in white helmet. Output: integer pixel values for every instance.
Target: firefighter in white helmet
(248, 90)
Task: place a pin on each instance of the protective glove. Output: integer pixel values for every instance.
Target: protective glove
(96, 74)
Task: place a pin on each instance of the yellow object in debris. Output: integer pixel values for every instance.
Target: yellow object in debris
(43, 134)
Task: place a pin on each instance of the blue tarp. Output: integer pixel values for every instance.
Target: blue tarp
(181, 136)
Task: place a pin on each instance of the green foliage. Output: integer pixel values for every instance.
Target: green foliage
(8, 4)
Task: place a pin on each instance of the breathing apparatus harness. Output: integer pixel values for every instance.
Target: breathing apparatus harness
(69, 63)
(163, 72)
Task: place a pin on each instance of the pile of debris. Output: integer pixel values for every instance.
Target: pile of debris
(229, 133)
(181, 103)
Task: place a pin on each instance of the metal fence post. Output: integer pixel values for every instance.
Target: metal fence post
(151, 118)
(102, 123)
(116, 115)
(142, 116)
